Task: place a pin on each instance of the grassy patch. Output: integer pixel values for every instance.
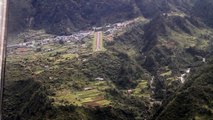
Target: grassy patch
(168, 73)
(142, 89)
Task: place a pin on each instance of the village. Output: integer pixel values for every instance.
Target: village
(109, 32)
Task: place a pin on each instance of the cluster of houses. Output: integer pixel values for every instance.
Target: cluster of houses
(34, 44)
(90, 88)
(114, 28)
(74, 37)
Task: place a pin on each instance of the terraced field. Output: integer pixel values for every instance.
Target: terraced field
(142, 90)
(88, 97)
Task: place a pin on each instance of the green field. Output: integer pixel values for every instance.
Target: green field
(89, 98)
(141, 89)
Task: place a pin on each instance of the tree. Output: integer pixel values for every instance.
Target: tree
(61, 42)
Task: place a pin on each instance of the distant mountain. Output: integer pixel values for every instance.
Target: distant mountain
(19, 14)
(66, 16)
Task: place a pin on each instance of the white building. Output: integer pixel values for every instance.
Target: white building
(99, 78)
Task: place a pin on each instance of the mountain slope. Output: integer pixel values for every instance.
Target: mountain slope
(203, 9)
(193, 100)
(65, 16)
(166, 46)
(25, 98)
